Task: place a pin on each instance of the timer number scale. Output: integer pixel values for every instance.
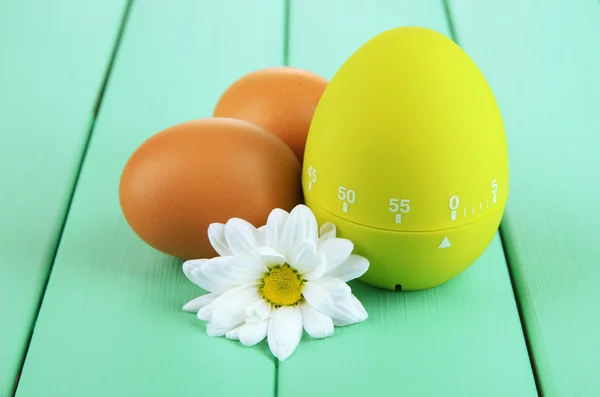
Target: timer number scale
(455, 202)
(399, 206)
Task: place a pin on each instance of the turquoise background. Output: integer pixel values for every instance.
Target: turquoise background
(87, 309)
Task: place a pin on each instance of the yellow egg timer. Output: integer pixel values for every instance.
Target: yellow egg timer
(407, 156)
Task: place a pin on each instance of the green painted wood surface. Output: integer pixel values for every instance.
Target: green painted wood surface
(111, 322)
(461, 339)
(542, 59)
(53, 58)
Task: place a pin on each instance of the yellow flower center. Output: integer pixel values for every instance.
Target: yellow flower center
(282, 286)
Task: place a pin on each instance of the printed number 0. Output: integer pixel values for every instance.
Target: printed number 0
(403, 207)
(454, 203)
(347, 195)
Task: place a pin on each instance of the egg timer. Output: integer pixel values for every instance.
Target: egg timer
(407, 156)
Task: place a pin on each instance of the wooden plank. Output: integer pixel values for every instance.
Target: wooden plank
(463, 338)
(111, 323)
(542, 59)
(54, 57)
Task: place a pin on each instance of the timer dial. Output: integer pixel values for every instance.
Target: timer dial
(407, 147)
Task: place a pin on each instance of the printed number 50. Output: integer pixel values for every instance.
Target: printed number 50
(347, 195)
(403, 207)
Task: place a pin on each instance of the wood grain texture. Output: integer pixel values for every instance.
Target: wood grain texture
(53, 60)
(111, 322)
(463, 338)
(542, 59)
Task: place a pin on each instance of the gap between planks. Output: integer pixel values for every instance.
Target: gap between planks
(451, 27)
(536, 378)
(287, 16)
(90, 131)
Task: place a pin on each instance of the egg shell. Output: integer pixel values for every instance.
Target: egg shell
(406, 148)
(280, 99)
(195, 173)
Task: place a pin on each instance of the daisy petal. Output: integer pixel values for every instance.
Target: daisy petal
(245, 295)
(193, 271)
(230, 309)
(256, 261)
(234, 334)
(260, 310)
(241, 236)
(213, 271)
(216, 236)
(261, 237)
(318, 270)
(336, 250)
(327, 231)
(205, 313)
(355, 309)
(300, 225)
(252, 333)
(275, 223)
(318, 297)
(317, 325)
(305, 257)
(353, 267)
(233, 270)
(337, 289)
(270, 257)
(221, 325)
(285, 331)
(196, 304)
(189, 267)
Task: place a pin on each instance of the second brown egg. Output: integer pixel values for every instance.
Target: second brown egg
(279, 99)
(192, 174)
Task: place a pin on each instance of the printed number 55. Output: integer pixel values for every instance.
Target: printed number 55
(403, 207)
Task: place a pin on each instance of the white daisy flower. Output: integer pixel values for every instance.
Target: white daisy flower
(276, 281)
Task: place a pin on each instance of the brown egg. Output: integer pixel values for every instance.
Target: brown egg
(195, 173)
(280, 99)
